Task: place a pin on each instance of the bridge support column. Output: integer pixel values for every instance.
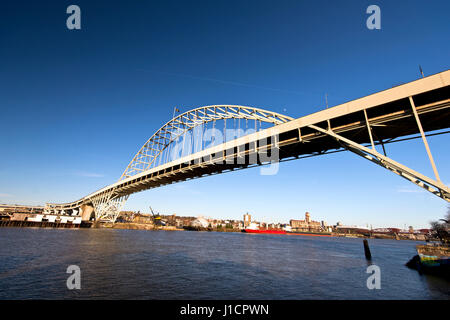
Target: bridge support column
(86, 211)
(425, 142)
(107, 207)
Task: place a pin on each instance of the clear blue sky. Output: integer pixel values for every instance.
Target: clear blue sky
(77, 105)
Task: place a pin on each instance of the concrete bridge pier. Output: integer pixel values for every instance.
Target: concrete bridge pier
(86, 211)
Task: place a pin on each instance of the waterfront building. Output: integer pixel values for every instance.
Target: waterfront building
(200, 222)
(352, 229)
(143, 218)
(6, 209)
(325, 226)
(247, 220)
(306, 225)
(181, 222)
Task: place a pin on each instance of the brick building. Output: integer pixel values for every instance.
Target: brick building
(305, 225)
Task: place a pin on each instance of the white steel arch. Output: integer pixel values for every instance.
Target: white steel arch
(150, 152)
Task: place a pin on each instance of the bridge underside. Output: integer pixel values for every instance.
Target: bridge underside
(387, 122)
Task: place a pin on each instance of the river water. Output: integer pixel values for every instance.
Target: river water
(134, 264)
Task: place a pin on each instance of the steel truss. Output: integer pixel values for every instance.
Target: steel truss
(435, 186)
(152, 151)
(107, 207)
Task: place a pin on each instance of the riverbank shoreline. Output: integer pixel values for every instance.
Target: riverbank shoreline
(152, 227)
(135, 226)
(138, 226)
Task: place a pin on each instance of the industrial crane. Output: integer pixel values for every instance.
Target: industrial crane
(157, 219)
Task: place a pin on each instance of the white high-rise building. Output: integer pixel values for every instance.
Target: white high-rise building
(247, 220)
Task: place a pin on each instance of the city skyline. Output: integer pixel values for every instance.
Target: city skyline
(69, 135)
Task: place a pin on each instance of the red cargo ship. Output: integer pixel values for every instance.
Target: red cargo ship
(269, 231)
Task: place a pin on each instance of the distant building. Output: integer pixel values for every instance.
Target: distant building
(386, 230)
(200, 222)
(352, 229)
(305, 225)
(325, 226)
(181, 222)
(142, 218)
(172, 219)
(10, 209)
(247, 220)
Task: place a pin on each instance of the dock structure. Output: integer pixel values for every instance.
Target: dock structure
(35, 216)
(43, 224)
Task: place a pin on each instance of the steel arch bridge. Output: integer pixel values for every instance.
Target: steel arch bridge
(198, 142)
(160, 149)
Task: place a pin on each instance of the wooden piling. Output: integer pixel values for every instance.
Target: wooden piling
(367, 250)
